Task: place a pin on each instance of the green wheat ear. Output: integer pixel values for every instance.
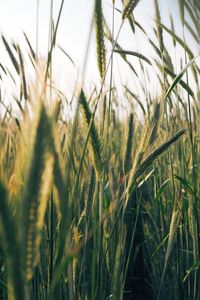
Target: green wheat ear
(147, 162)
(155, 123)
(11, 55)
(159, 30)
(128, 8)
(95, 147)
(12, 250)
(101, 52)
(35, 194)
(24, 91)
(129, 146)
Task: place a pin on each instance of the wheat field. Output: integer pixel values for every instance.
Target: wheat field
(104, 204)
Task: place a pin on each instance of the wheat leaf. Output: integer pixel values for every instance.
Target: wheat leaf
(178, 77)
(132, 53)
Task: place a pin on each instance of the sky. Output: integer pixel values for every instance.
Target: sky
(19, 16)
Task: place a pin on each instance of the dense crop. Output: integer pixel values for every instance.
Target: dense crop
(99, 206)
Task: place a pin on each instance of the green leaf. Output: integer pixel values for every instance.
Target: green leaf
(193, 268)
(126, 52)
(179, 76)
(161, 190)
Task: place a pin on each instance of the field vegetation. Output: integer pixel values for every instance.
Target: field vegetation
(98, 205)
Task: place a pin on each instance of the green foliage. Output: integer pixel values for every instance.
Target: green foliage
(90, 206)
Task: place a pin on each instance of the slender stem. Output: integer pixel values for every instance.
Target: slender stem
(37, 47)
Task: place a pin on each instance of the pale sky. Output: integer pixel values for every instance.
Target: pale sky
(17, 16)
